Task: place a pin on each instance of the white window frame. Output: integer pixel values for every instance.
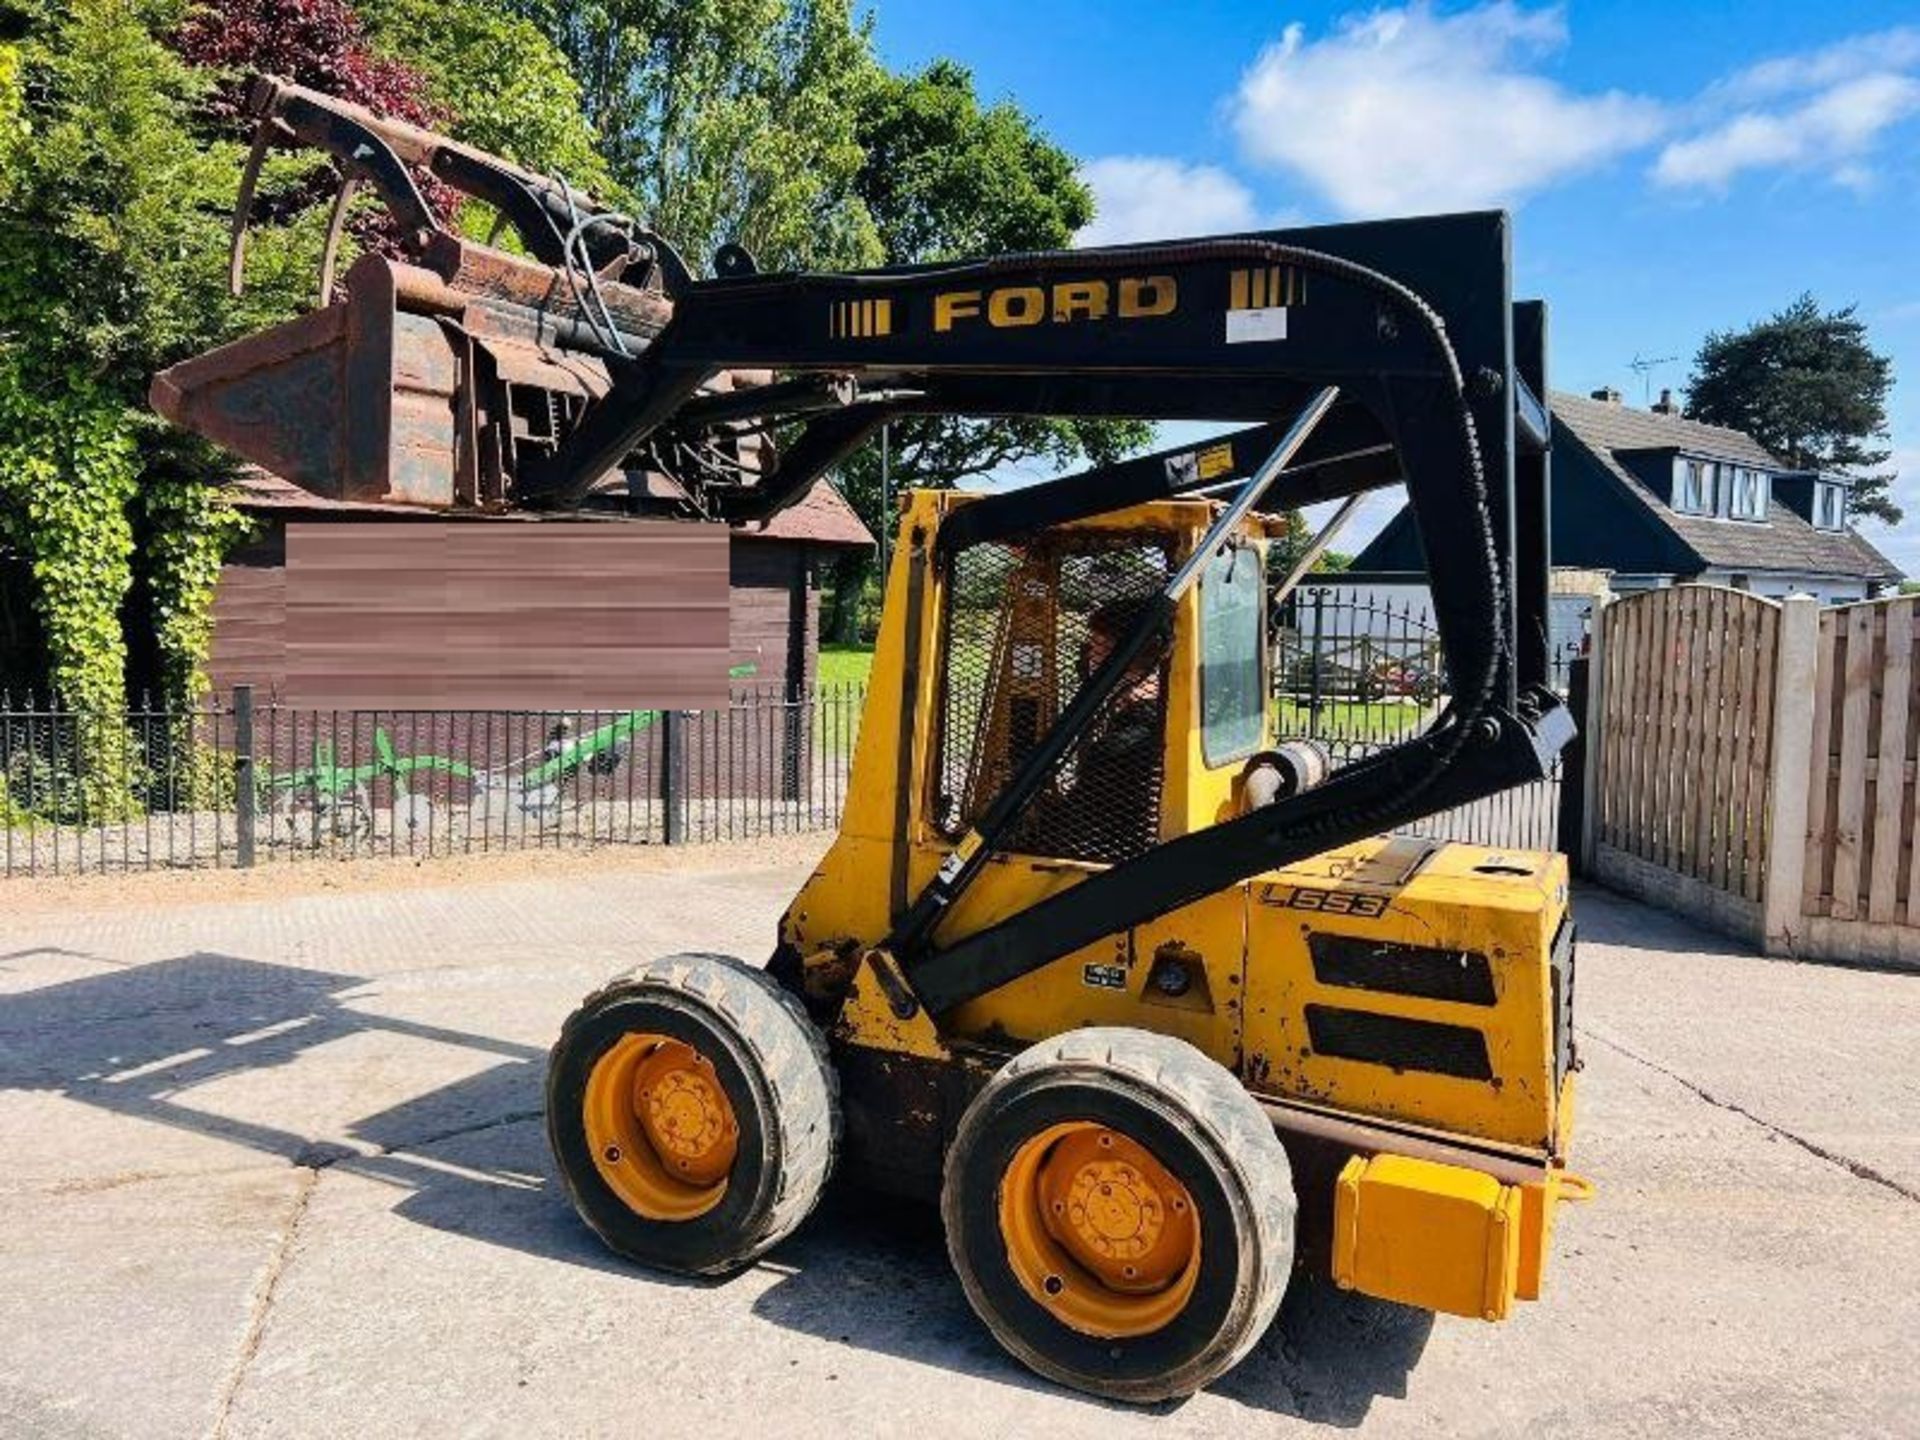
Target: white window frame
(1829, 505)
(1690, 482)
(1750, 494)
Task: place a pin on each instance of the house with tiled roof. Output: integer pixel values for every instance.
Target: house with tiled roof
(1655, 499)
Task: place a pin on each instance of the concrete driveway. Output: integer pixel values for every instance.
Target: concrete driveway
(274, 1165)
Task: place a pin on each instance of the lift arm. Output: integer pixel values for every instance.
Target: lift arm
(601, 354)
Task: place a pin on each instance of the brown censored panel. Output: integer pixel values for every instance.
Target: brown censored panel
(249, 617)
(478, 616)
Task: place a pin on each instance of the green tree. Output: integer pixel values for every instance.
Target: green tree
(1807, 385)
(111, 265)
(505, 86)
(946, 177)
(728, 120)
(112, 248)
(770, 122)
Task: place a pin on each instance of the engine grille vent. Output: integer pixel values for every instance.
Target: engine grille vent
(1425, 971)
(1398, 1043)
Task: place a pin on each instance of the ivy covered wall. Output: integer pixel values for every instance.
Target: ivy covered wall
(120, 151)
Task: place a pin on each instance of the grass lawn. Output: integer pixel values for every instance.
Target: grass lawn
(1350, 719)
(845, 664)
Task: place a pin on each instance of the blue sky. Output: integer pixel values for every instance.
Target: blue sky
(1673, 168)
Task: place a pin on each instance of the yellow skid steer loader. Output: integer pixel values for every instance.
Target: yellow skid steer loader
(1162, 1009)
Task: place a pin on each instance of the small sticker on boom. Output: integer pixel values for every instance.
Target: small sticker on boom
(1249, 326)
(1215, 460)
(1105, 977)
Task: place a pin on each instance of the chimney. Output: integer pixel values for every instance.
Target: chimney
(1607, 395)
(1664, 405)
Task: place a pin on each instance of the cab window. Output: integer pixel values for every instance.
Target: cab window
(1232, 655)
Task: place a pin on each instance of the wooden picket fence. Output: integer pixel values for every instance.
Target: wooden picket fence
(1755, 765)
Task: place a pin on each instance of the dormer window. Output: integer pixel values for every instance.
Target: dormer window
(1720, 489)
(1695, 484)
(1749, 498)
(1829, 506)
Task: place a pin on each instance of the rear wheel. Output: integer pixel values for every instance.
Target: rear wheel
(692, 1112)
(1120, 1213)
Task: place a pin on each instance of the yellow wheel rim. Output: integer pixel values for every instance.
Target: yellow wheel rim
(1098, 1232)
(660, 1127)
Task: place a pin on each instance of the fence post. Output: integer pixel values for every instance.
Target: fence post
(1790, 770)
(244, 792)
(1313, 682)
(673, 776)
(1570, 823)
(1593, 728)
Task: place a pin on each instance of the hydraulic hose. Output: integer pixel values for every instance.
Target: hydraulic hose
(1461, 721)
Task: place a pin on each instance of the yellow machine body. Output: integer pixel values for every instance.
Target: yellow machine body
(1402, 1002)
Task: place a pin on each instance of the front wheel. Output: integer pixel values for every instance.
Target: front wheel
(1120, 1213)
(693, 1113)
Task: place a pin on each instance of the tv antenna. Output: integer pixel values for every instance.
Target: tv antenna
(1644, 368)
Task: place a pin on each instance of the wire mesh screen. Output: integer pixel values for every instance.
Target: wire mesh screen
(1026, 625)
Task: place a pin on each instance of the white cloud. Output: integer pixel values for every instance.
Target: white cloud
(1145, 197)
(1405, 110)
(1831, 131)
(1902, 543)
(1883, 50)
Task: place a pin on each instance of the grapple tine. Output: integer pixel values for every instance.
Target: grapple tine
(263, 135)
(336, 222)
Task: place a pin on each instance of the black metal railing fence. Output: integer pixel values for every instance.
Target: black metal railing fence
(235, 782)
(1356, 669)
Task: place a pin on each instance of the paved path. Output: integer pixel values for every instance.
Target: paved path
(274, 1166)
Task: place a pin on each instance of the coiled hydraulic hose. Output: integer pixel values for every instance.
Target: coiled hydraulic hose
(1463, 721)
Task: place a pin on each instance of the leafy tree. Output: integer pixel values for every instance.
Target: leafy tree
(501, 83)
(323, 45)
(318, 43)
(728, 119)
(1807, 385)
(112, 247)
(771, 123)
(946, 177)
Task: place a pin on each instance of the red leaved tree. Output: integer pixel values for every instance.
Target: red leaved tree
(322, 45)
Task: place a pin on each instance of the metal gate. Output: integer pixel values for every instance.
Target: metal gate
(1356, 671)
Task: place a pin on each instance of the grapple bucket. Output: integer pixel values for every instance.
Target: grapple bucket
(436, 378)
(417, 388)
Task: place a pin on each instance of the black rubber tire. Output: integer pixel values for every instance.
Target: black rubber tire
(1199, 1123)
(773, 1064)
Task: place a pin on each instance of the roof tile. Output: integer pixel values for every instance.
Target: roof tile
(1786, 542)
